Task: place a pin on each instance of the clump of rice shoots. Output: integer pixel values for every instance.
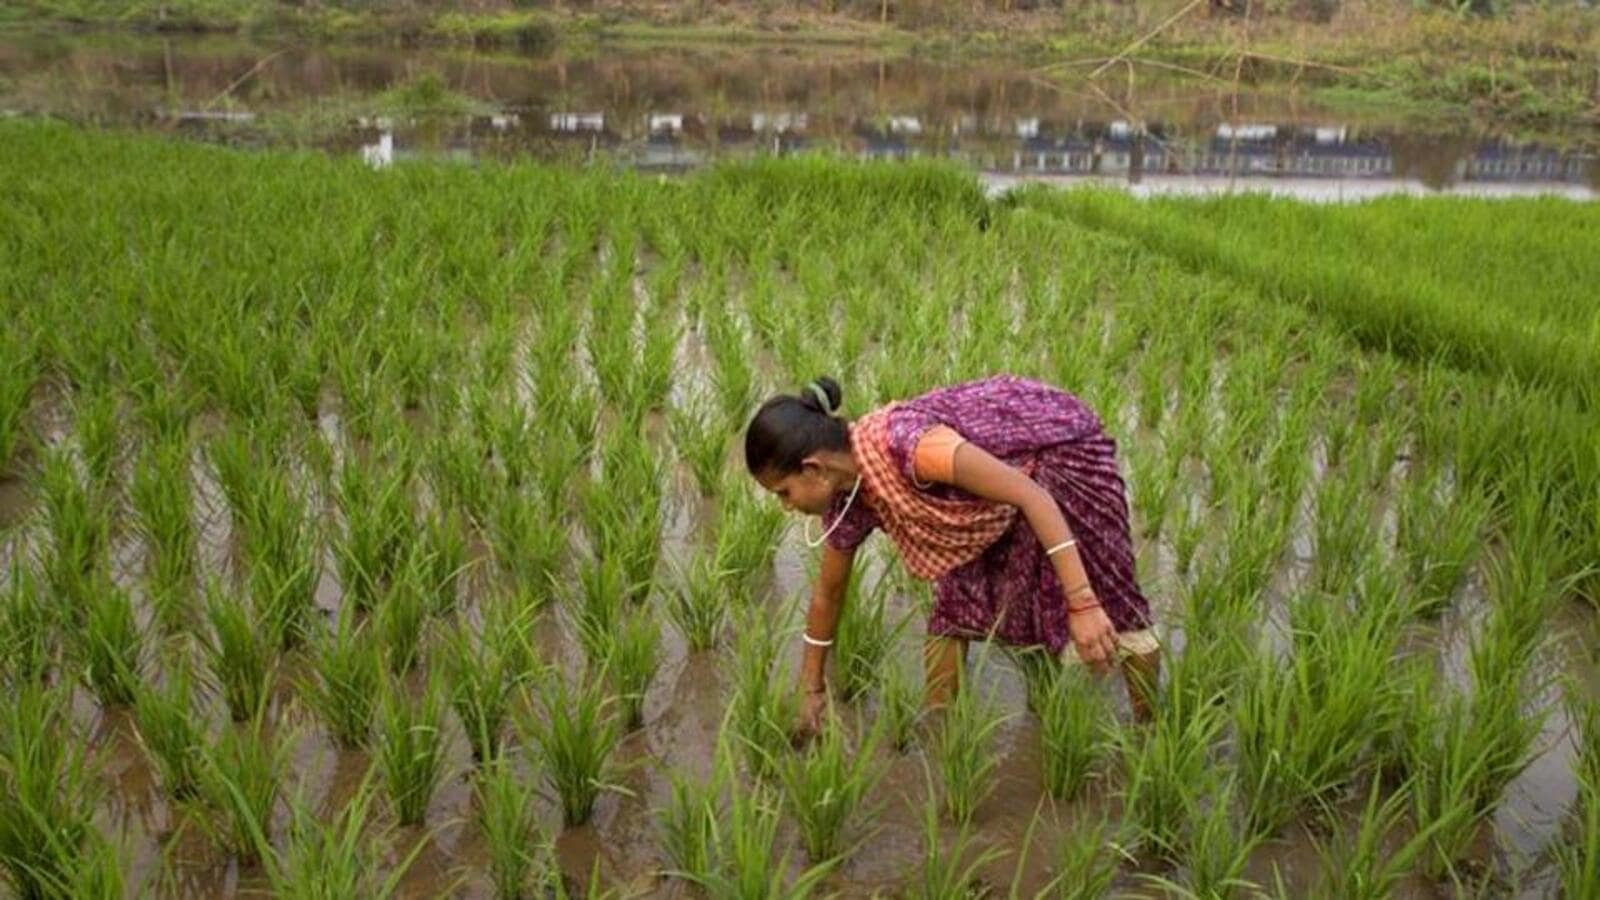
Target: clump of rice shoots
(604, 593)
(96, 417)
(863, 639)
(701, 441)
(1160, 764)
(527, 544)
(900, 706)
(688, 823)
(375, 503)
(1438, 537)
(481, 687)
(963, 751)
(1074, 718)
(747, 862)
(48, 794)
(18, 371)
(826, 787)
(1364, 865)
(346, 675)
(629, 658)
(623, 508)
(748, 533)
(79, 523)
(509, 822)
(443, 548)
(574, 733)
(110, 644)
(172, 735)
(1216, 848)
(410, 747)
(28, 630)
(763, 703)
(948, 871)
(698, 600)
(325, 860)
(1343, 532)
(402, 617)
(1578, 857)
(1087, 863)
(238, 652)
(162, 501)
(240, 777)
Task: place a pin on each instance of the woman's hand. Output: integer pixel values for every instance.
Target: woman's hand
(1093, 635)
(813, 712)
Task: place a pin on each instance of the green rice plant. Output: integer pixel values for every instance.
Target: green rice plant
(964, 753)
(630, 657)
(900, 707)
(1188, 533)
(79, 523)
(623, 508)
(327, 860)
(402, 616)
(1438, 538)
(826, 787)
(1153, 476)
(948, 871)
(240, 778)
(172, 736)
(763, 704)
(110, 643)
(1162, 763)
(346, 673)
(1343, 533)
(574, 733)
(1216, 849)
(527, 544)
(701, 441)
(1366, 865)
(1447, 766)
(47, 794)
(455, 470)
(509, 822)
(163, 503)
(410, 747)
(600, 604)
(747, 864)
(1303, 724)
(1577, 859)
(863, 638)
(238, 652)
(100, 872)
(688, 823)
(283, 550)
(697, 601)
(733, 373)
(96, 417)
(28, 630)
(749, 531)
(378, 527)
(18, 372)
(1074, 718)
(1087, 864)
(480, 690)
(443, 548)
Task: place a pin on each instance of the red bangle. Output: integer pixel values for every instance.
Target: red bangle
(1084, 608)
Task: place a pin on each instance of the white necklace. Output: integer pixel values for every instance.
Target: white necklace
(851, 499)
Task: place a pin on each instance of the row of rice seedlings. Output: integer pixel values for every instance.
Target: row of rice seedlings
(826, 787)
(110, 643)
(1161, 764)
(346, 673)
(1437, 536)
(697, 601)
(79, 521)
(48, 795)
(1365, 864)
(1303, 725)
(481, 688)
(864, 638)
(701, 439)
(948, 870)
(379, 527)
(963, 749)
(240, 777)
(749, 531)
(28, 629)
(172, 736)
(163, 502)
(409, 749)
(327, 860)
(574, 733)
(763, 704)
(746, 863)
(508, 819)
(1075, 717)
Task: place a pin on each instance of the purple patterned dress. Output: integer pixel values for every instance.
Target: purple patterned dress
(1012, 587)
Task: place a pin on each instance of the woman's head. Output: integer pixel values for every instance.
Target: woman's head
(783, 442)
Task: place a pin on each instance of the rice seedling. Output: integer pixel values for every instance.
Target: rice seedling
(763, 703)
(629, 658)
(79, 524)
(17, 375)
(697, 601)
(238, 652)
(1161, 764)
(327, 860)
(1438, 538)
(346, 673)
(443, 548)
(527, 544)
(948, 871)
(1343, 533)
(1087, 864)
(110, 645)
(284, 553)
(688, 823)
(747, 864)
(456, 472)
(600, 604)
(702, 443)
(1577, 858)
(900, 707)
(963, 751)
(172, 736)
(863, 638)
(749, 530)
(28, 630)
(163, 502)
(826, 787)
(1074, 715)
(96, 417)
(378, 528)
(1364, 865)
(508, 820)
(623, 508)
(47, 794)
(240, 777)
(409, 749)
(1216, 849)
(1153, 476)
(480, 690)
(402, 616)
(574, 733)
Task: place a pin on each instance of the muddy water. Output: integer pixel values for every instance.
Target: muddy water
(668, 109)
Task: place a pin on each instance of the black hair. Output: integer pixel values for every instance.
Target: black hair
(789, 427)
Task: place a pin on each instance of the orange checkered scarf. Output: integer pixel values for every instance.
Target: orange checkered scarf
(934, 535)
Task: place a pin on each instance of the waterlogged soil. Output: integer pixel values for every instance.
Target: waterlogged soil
(667, 108)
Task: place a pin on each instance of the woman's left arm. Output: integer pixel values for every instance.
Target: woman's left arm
(977, 472)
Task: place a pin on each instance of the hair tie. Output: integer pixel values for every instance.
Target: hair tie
(822, 398)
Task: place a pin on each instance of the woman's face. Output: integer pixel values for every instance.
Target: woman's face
(808, 490)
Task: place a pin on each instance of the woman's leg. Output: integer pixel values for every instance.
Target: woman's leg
(942, 658)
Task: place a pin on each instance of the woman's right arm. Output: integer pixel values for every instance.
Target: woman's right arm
(822, 619)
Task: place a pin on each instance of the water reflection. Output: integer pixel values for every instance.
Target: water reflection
(673, 109)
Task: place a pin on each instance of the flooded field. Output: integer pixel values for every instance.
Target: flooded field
(668, 109)
(359, 522)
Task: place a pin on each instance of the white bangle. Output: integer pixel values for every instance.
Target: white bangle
(814, 642)
(1069, 542)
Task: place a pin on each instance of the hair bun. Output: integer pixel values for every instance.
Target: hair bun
(823, 395)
